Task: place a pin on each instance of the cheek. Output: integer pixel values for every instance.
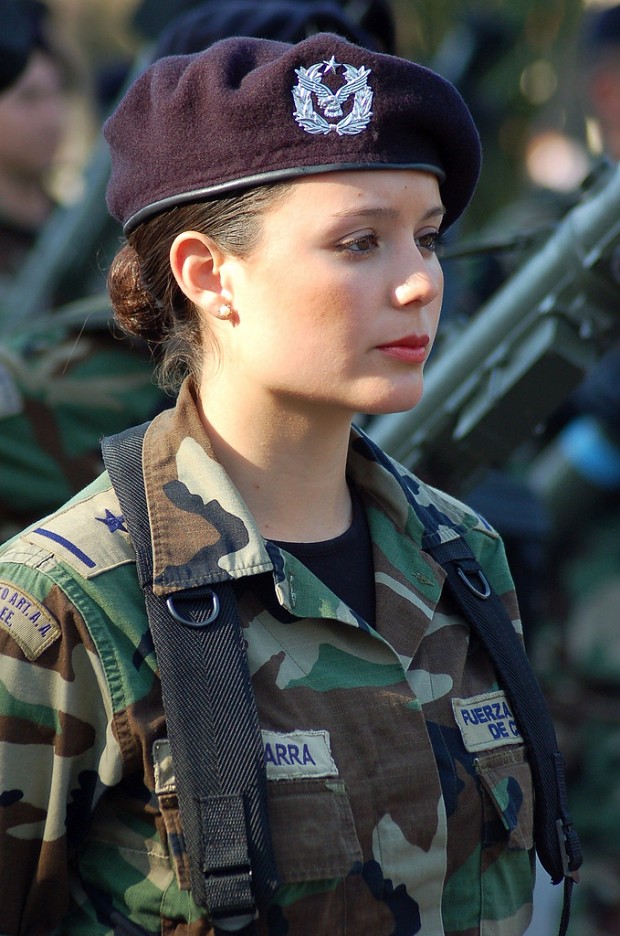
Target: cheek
(342, 301)
(433, 324)
(306, 305)
(313, 307)
(435, 307)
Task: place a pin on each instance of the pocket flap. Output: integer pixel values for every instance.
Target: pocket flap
(507, 778)
(312, 829)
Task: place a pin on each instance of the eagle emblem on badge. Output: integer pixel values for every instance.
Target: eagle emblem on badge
(311, 84)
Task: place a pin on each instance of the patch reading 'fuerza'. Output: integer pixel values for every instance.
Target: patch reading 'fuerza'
(486, 721)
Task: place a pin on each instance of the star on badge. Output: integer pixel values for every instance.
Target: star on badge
(113, 522)
(332, 65)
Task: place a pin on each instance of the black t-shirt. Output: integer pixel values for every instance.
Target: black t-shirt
(344, 563)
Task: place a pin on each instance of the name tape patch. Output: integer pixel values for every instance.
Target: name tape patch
(486, 721)
(298, 754)
(31, 625)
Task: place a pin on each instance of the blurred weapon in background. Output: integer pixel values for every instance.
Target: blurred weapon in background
(498, 378)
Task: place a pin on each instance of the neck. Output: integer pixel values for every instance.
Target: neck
(289, 466)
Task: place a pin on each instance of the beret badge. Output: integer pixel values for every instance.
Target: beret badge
(330, 100)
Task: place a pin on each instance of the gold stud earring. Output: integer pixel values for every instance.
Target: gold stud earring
(224, 311)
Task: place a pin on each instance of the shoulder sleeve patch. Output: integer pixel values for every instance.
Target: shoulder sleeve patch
(89, 534)
(31, 625)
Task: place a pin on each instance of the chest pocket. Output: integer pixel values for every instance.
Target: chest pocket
(508, 797)
(312, 829)
(310, 819)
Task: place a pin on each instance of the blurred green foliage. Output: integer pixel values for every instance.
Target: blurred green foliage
(514, 62)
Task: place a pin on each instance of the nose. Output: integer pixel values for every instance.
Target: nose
(421, 285)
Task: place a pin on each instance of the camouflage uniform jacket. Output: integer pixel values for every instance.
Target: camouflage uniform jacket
(400, 795)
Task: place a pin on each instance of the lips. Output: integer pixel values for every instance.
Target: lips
(412, 349)
(409, 341)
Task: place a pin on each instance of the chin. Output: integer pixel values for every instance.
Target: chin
(394, 402)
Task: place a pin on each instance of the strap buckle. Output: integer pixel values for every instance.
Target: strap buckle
(485, 589)
(205, 611)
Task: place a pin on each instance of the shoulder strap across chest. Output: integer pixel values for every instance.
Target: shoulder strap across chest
(211, 717)
(557, 844)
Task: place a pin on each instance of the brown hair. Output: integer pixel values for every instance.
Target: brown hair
(145, 296)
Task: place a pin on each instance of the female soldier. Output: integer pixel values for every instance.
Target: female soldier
(282, 206)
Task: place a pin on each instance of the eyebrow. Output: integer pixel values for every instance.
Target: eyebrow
(389, 214)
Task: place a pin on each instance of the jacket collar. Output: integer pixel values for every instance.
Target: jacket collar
(202, 530)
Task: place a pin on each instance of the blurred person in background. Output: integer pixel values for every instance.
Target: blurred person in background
(371, 21)
(285, 20)
(61, 387)
(600, 51)
(34, 111)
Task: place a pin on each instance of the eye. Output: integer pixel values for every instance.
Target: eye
(431, 243)
(360, 243)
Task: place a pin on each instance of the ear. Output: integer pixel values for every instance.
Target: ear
(195, 262)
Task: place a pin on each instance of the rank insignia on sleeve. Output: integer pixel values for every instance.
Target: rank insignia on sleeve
(32, 626)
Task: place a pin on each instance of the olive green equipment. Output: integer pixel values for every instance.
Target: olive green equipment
(496, 380)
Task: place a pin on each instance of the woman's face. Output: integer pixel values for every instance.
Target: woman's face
(338, 306)
(33, 118)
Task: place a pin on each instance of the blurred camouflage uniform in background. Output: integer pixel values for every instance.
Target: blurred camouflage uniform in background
(58, 395)
(64, 381)
(577, 649)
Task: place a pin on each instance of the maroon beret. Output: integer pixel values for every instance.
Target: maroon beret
(248, 111)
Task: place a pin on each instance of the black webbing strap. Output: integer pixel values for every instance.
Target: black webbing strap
(557, 843)
(211, 716)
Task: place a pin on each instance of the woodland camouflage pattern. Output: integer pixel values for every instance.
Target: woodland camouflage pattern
(395, 808)
(60, 391)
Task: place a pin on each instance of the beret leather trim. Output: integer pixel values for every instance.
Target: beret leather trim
(277, 175)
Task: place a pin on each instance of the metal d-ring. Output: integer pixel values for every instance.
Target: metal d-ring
(486, 588)
(204, 622)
